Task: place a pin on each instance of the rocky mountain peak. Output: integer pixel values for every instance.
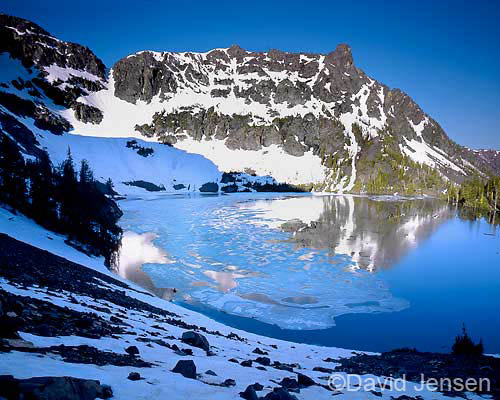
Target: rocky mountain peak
(57, 72)
(21, 25)
(490, 157)
(34, 46)
(341, 56)
(236, 51)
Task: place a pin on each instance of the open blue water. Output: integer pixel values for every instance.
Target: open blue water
(368, 274)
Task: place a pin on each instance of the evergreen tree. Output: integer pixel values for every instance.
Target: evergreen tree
(86, 174)
(68, 170)
(477, 197)
(42, 189)
(109, 187)
(68, 194)
(465, 346)
(13, 189)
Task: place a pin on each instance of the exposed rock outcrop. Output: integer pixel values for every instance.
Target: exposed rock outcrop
(62, 71)
(54, 388)
(196, 339)
(86, 113)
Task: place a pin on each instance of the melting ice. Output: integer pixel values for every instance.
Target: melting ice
(228, 253)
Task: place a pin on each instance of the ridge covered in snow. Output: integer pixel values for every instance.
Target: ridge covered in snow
(277, 113)
(314, 120)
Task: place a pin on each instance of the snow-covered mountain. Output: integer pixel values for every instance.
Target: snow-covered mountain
(41, 80)
(490, 157)
(314, 120)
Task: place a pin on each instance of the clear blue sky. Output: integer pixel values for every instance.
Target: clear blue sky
(445, 54)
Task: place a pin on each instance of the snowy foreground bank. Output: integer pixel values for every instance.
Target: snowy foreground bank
(80, 321)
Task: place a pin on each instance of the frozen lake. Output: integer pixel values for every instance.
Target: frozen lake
(366, 273)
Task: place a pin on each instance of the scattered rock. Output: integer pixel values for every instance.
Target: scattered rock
(46, 330)
(263, 360)
(304, 380)
(290, 384)
(257, 386)
(132, 350)
(260, 352)
(196, 339)
(233, 360)
(86, 113)
(149, 186)
(246, 363)
(209, 187)
(18, 343)
(249, 393)
(85, 354)
(283, 366)
(187, 352)
(134, 376)
(280, 394)
(234, 336)
(105, 392)
(53, 388)
(413, 364)
(9, 327)
(186, 368)
(229, 383)
(210, 372)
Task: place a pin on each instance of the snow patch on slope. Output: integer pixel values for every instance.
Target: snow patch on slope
(421, 152)
(120, 117)
(272, 160)
(56, 72)
(110, 158)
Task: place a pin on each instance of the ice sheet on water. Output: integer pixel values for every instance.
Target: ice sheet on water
(226, 258)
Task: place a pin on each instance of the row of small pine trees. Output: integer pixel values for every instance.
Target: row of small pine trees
(60, 199)
(476, 193)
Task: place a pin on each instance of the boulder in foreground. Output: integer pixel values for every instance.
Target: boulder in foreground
(53, 388)
(196, 339)
(186, 368)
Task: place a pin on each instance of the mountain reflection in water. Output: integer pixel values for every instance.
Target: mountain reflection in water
(375, 232)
